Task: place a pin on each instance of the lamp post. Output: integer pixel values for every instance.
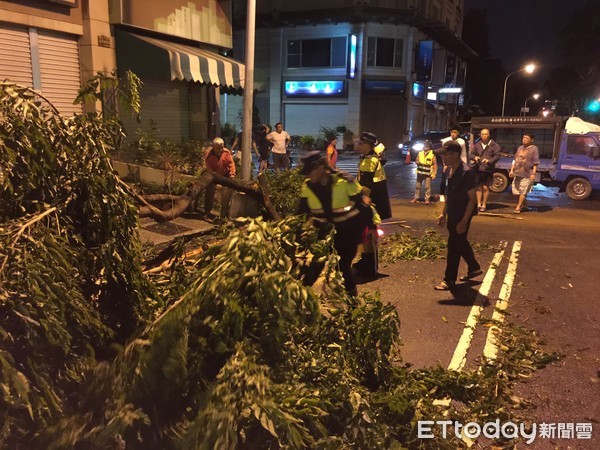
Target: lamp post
(529, 68)
(535, 97)
(248, 91)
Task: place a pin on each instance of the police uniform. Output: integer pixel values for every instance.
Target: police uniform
(337, 203)
(371, 175)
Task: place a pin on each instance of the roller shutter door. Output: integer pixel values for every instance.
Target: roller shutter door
(301, 120)
(165, 111)
(384, 115)
(59, 70)
(15, 55)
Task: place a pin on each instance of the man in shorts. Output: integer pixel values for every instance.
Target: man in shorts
(262, 147)
(523, 170)
(280, 139)
(483, 157)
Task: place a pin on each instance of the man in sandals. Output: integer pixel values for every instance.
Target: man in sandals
(523, 170)
(459, 208)
(483, 157)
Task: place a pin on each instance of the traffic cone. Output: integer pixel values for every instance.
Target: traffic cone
(408, 159)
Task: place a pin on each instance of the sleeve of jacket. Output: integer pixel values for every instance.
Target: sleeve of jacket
(473, 151)
(494, 153)
(231, 165)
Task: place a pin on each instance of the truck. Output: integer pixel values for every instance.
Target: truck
(569, 151)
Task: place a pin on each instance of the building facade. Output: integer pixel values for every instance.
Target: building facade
(367, 65)
(177, 49)
(47, 46)
(175, 46)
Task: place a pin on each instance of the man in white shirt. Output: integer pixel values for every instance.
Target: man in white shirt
(280, 139)
(454, 132)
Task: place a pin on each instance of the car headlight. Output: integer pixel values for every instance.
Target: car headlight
(418, 146)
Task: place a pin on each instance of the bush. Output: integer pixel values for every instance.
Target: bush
(186, 157)
(285, 187)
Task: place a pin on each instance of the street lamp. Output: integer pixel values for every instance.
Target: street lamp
(535, 97)
(529, 68)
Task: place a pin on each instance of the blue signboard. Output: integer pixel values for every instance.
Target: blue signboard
(424, 61)
(418, 90)
(331, 88)
(384, 87)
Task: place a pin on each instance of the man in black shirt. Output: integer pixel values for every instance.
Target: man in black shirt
(459, 208)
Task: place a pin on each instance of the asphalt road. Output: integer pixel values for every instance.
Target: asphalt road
(550, 285)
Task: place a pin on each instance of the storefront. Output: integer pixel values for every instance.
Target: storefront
(181, 85)
(39, 48)
(176, 48)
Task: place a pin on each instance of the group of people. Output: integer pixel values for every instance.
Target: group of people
(266, 142)
(355, 207)
(482, 158)
(466, 181)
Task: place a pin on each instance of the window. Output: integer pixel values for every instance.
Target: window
(510, 139)
(328, 52)
(581, 145)
(384, 52)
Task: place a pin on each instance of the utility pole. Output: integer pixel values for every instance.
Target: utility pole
(248, 92)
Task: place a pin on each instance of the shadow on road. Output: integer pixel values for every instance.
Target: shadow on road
(464, 294)
(540, 208)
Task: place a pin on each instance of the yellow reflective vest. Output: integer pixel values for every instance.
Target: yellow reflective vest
(425, 163)
(342, 205)
(371, 164)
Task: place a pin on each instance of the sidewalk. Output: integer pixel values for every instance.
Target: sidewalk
(160, 233)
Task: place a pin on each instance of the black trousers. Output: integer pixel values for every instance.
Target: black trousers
(345, 242)
(347, 251)
(458, 247)
(209, 199)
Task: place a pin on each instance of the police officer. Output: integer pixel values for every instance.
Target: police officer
(335, 199)
(371, 175)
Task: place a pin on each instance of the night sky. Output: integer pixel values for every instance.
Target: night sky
(526, 30)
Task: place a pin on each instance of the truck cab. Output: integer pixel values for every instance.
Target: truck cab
(577, 168)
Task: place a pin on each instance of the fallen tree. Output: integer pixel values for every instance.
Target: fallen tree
(178, 204)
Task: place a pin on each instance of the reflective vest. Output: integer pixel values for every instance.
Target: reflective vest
(425, 163)
(379, 149)
(371, 164)
(343, 208)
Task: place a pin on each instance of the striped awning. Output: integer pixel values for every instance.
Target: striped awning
(141, 54)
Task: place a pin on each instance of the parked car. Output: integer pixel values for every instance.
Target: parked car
(416, 144)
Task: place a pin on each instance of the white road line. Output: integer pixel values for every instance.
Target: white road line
(460, 353)
(490, 351)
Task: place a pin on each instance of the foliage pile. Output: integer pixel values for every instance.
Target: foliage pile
(284, 187)
(432, 245)
(407, 247)
(248, 357)
(70, 279)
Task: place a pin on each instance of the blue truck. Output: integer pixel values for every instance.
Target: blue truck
(569, 151)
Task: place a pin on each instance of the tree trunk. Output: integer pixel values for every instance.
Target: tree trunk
(179, 204)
